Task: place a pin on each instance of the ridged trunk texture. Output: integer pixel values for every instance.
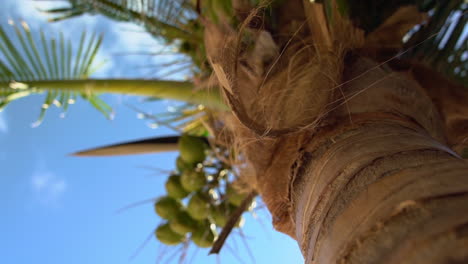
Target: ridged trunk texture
(381, 192)
(376, 182)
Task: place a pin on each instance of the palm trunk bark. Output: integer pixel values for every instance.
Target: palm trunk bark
(382, 192)
(377, 184)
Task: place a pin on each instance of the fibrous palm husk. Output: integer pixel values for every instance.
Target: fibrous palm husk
(276, 85)
(280, 86)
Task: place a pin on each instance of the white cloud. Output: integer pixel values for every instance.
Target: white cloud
(3, 122)
(48, 187)
(40, 180)
(134, 38)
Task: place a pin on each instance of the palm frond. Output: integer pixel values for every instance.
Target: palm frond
(141, 146)
(176, 90)
(26, 58)
(441, 42)
(162, 18)
(174, 21)
(44, 63)
(188, 119)
(447, 51)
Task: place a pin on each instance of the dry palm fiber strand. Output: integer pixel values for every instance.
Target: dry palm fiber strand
(276, 87)
(272, 91)
(281, 83)
(277, 83)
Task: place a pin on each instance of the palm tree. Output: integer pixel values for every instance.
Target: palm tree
(352, 116)
(353, 144)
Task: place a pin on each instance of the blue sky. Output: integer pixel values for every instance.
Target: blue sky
(62, 209)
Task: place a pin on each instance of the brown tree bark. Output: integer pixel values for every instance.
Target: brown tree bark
(354, 164)
(375, 184)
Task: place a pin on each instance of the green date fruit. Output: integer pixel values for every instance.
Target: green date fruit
(174, 187)
(193, 180)
(204, 236)
(198, 207)
(182, 165)
(182, 223)
(221, 213)
(192, 149)
(167, 207)
(167, 236)
(234, 197)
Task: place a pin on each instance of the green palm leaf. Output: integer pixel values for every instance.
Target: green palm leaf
(27, 58)
(39, 63)
(176, 90)
(440, 43)
(167, 19)
(446, 52)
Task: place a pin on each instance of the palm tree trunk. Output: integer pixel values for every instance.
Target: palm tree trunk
(381, 192)
(377, 183)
